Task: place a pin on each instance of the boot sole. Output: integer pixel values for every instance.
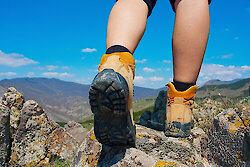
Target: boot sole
(108, 97)
(177, 129)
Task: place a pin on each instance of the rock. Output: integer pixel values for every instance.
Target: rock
(10, 106)
(62, 144)
(38, 139)
(229, 139)
(205, 112)
(14, 100)
(164, 148)
(76, 130)
(91, 153)
(5, 135)
(153, 148)
(145, 119)
(156, 119)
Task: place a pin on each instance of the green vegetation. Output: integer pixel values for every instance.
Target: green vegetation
(88, 124)
(138, 114)
(55, 161)
(61, 123)
(143, 104)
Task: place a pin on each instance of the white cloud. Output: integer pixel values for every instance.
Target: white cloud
(236, 38)
(84, 80)
(7, 74)
(141, 61)
(156, 78)
(228, 56)
(93, 70)
(245, 68)
(167, 61)
(167, 69)
(65, 68)
(39, 68)
(30, 74)
(14, 60)
(221, 72)
(88, 50)
(146, 69)
(139, 79)
(56, 74)
(51, 67)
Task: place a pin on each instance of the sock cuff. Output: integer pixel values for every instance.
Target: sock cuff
(182, 86)
(117, 48)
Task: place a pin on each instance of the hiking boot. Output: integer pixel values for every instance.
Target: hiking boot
(179, 121)
(110, 97)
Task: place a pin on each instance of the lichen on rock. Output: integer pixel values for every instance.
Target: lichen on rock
(5, 135)
(226, 139)
(153, 148)
(38, 138)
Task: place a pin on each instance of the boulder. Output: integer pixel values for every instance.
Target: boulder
(38, 139)
(14, 100)
(5, 135)
(156, 119)
(10, 106)
(229, 139)
(76, 130)
(153, 148)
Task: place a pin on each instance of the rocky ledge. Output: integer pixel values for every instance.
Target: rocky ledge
(29, 138)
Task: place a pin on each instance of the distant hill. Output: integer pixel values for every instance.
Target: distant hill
(219, 82)
(233, 89)
(62, 100)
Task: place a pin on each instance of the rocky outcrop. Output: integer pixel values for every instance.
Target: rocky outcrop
(10, 110)
(157, 118)
(35, 138)
(153, 148)
(28, 137)
(14, 101)
(229, 139)
(39, 138)
(205, 112)
(76, 130)
(5, 135)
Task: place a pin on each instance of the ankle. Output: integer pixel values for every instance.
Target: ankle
(182, 86)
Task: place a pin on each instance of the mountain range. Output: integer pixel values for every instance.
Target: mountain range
(64, 101)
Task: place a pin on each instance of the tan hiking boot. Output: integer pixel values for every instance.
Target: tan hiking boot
(179, 121)
(111, 97)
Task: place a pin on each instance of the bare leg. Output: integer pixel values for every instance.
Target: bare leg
(190, 37)
(127, 22)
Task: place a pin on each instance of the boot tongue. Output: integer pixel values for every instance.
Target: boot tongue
(178, 100)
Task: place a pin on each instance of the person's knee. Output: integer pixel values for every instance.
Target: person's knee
(195, 3)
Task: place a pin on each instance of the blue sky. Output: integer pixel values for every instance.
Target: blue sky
(66, 39)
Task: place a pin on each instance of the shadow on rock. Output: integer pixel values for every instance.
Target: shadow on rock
(156, 119)
(111, 155)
